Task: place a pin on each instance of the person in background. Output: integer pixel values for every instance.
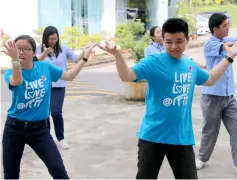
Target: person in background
(156, 46)
(218, 102)
(52, 52)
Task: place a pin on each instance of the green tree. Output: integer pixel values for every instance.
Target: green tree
(185, 11)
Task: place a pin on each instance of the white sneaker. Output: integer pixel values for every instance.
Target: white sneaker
(199, 164)
(64, 145)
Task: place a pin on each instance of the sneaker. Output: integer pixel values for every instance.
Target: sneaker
(199, 164)
(64, 145)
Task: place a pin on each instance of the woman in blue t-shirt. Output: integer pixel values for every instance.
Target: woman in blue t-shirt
(51, 51)
(30, 84)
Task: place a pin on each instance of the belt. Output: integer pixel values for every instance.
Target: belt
(11, 120)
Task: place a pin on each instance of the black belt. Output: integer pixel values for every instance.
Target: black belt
(11, 120)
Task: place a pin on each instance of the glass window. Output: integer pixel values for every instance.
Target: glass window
(143, 10)
(54, 13)
(94, 13)
(86, 15)
(121, 11)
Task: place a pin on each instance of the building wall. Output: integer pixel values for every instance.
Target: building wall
(162, 13)
(90, 16)
(172, 9)
(55, 13)
(108, 23)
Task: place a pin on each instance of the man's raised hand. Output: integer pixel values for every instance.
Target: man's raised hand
(231, 50)
(88, 48)
(109, 47)
(11, 50)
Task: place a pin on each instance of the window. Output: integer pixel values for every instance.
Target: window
(144, 10)
(86, 15)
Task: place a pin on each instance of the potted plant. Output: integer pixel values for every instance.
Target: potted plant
(137, 90)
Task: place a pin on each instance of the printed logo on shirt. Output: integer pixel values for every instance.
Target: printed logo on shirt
(190, 68)
(181, 88)
(43, 78)
(34, 94)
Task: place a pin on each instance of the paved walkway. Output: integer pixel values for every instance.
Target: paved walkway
(102, 135)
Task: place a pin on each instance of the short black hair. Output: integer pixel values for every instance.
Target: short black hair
(28, 38)
(216, 20)
(152, 31)
(175, 25)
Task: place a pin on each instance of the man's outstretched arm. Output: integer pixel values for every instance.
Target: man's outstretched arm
(216, 72)
(125, 73)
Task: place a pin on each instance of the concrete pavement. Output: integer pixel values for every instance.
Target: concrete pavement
(102, 135)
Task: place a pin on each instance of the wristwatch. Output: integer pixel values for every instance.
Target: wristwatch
(84, 59)
(229, 59)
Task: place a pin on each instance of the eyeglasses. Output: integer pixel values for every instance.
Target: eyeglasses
(24, 49)
(53, 39)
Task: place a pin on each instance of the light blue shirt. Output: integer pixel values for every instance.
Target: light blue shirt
(214, 53)
(60, 61)
(171, 82)
(31, 99)
(154, 48)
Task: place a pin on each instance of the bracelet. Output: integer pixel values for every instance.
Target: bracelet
(229, 59)
(15, 62)
(84, 59)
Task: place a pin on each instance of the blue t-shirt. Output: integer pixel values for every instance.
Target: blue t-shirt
(171, 82)
(31, 99)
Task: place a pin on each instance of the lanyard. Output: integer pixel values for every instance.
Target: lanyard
(158, 47)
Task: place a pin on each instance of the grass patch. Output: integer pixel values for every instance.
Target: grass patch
(231, 9)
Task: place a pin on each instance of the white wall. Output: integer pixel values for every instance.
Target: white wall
(109, 17)
(162, 12)
(18, 16)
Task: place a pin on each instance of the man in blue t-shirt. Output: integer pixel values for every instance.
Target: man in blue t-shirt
(166, 129)
(218, 101)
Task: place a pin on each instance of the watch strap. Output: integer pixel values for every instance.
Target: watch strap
(84, 59)
(229, 59)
